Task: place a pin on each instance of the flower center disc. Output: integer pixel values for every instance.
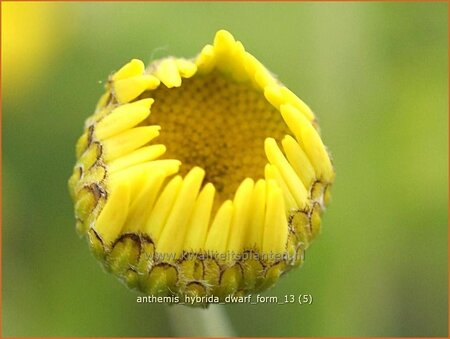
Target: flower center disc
(216, 123)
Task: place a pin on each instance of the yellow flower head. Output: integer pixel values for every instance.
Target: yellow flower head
(201, 177)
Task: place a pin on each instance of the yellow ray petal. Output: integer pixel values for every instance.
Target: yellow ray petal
(256, 70)
(251, 64)
(224, 43)
(141, 206)
(218, 234)
(186, 67)
(272, 172)
(205, 61)
(275, 227)
(128, 89)
(167, 166)
(163, 207)
(255, 231)
(298, 160)
(308, 137)
(167, 71)
(123, 118)
(197, 228)
(290, 98)
(224, 50)
(114, 213)
(294, 183)
(241, 216)
(131, 69)
(136, 157)
(173, 233)
(264, 78)
(273, 95)
(128, 141)
(237, 63)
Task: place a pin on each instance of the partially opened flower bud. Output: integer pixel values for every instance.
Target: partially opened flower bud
(200, 177)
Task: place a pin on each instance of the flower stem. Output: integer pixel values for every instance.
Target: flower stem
(198, 322)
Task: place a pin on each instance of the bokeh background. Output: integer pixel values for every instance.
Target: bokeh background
(376, 74)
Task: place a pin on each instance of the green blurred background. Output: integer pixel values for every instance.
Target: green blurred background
(376, 74)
